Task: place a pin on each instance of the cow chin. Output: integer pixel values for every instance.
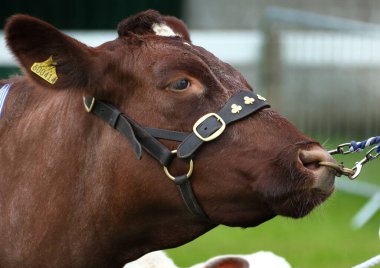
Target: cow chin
(305, 189)
(301, 203)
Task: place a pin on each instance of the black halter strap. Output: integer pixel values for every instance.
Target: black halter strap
(212, 125)
(206, 129)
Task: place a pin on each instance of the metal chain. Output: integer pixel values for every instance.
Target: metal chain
(368, 157)
(351, 147)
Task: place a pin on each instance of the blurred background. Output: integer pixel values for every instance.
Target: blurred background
(317, 62)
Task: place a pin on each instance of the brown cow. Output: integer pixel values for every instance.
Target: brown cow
(73, 193)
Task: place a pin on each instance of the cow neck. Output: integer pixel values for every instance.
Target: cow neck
(206, 129)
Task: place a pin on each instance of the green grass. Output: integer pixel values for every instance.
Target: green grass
(325, 238)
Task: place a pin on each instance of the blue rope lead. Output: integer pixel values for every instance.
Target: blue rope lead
(359, 146)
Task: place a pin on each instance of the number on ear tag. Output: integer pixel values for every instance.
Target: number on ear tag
(46, 70)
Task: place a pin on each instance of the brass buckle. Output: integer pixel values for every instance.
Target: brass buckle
(170, 176)
(88, 109)
(216, 133)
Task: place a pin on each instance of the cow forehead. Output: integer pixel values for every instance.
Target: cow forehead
(175, 52)
(198, 61)
(165, 51)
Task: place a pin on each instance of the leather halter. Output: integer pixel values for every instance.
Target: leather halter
(207, 128)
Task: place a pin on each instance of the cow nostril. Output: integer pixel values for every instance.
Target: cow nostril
(310, 158)
(312, 165)
(324, 176)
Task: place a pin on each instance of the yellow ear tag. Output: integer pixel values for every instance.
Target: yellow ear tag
(46, 70)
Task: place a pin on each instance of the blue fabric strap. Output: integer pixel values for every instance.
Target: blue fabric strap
(3, 95)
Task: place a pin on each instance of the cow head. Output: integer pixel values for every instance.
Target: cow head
(259, 167)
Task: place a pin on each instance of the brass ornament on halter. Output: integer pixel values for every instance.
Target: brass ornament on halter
(248, 100)
(235, 108)
(261, 97)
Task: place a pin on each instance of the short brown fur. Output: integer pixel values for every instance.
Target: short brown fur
(72, 193)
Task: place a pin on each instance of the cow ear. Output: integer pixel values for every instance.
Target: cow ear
(48, 56)
(228, 262)
(152, 22)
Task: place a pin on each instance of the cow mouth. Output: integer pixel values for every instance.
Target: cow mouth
(300, 204)
(308, 184)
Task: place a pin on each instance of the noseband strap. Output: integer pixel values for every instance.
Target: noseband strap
(207, 128)
(238, 107)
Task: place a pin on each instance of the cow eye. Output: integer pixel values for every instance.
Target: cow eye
(179, 85)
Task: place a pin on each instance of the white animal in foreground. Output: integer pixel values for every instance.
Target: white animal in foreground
(156, 259)
(262, 259)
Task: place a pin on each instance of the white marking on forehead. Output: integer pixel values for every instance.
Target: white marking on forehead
(163, 30)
